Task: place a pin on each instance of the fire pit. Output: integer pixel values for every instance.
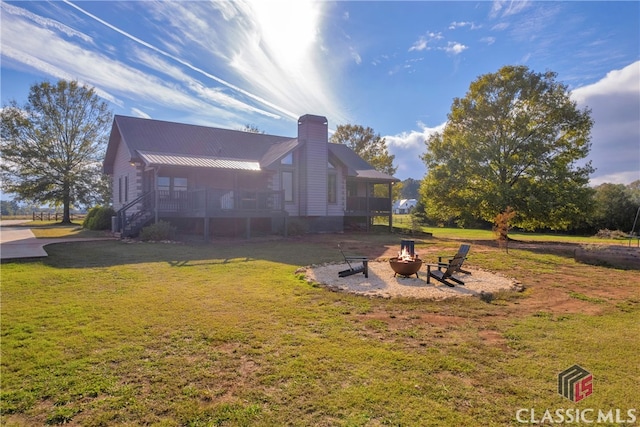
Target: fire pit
(407, 262)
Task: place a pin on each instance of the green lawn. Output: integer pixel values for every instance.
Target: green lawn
(114, 333)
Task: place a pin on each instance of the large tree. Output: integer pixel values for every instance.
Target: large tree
(52, 146)
(515, 140)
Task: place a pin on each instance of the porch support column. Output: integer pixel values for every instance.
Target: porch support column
(390, 208)
(368, 210)
(156, 196)
(248, 227)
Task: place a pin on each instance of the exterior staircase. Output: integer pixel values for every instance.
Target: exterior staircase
(134, 216)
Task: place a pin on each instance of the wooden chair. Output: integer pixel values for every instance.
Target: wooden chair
(463, 251)
(451, 267)
(363, 268)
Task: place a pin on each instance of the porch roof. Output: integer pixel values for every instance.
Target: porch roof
(169, 159)
(357, 167)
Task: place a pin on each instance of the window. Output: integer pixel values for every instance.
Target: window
(287, 185)
(179, 184)
(331, 188)
(287, 160)
(164, 183)
(126, 188)
(171, 185)
(123, 189)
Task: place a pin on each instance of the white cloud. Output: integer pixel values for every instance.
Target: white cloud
(508, 7)
(355, 55)
(488, 40)
(455, 48)
(615, 108)
(455, 25)
(139, 113)
(407, 147)
(423, 42)
(418, 45)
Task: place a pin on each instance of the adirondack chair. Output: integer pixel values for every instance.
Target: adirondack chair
(452, 266)
(363, 268)
(463, 251)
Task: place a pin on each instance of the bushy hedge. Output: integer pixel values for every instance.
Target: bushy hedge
(99, 218)
(162, 230)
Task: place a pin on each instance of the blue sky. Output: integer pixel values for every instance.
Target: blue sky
(393, 66)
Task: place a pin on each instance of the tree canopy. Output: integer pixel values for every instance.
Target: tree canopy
(516, 139)
(52, 147)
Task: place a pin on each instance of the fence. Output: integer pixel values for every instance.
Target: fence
(48, 216)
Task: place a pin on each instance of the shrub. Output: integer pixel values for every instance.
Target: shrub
(162, 230)
(99, 218)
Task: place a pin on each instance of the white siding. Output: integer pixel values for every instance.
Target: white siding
(124, 172)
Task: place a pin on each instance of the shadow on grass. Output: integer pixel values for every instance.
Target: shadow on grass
(293, 251)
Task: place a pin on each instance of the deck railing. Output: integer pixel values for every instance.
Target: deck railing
(215, 202)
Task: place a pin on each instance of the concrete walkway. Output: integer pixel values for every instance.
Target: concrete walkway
(20, 242)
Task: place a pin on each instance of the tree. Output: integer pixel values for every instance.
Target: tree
(514, 140)
(52, 147)
(410, 188)
(251, 129)
(614, 207)
(368, 145)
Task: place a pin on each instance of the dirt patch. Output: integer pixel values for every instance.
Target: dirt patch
(383, 283)
(609, 256)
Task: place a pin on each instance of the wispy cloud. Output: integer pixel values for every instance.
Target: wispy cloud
(472, 26)
(183, 62)
(180, 65)
(504, 8)
(424, 42)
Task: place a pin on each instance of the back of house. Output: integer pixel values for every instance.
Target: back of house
(214, 181)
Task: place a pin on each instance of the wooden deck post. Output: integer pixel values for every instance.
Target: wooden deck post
(207, 222)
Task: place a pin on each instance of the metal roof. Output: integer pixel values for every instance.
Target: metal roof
(167, 159)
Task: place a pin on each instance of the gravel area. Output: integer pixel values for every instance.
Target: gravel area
(382, 283)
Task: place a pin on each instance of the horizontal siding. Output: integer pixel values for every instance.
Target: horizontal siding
(122, 168)
(315, 134)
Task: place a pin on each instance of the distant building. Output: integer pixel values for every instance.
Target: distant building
(404, 206)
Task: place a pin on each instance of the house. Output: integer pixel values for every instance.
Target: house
(226, 182)
(404, 206)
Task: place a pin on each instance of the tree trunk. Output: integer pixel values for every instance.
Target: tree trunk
(66, 203)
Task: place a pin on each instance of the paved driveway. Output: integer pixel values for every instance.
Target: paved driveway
(20, 242)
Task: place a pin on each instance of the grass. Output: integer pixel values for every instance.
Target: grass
(404, 221)
(114, 333)
(54, 229)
